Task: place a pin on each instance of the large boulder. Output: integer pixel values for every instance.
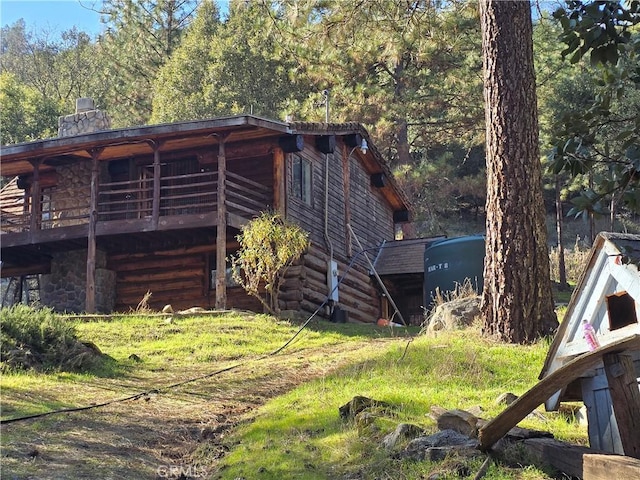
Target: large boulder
(455, 314)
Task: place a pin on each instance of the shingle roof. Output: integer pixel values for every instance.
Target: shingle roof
(403, 256)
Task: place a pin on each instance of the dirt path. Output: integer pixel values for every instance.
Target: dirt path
(175, 434)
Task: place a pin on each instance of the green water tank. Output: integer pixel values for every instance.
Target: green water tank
(448, 262)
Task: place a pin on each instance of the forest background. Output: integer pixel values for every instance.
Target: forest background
(409, 70)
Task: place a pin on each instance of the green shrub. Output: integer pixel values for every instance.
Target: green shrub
(39, 339)
(269, 244)
(575, 261)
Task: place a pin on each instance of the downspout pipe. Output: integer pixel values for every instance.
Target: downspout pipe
(327, 239)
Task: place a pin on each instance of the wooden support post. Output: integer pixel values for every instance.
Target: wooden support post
(221, 236)
(155, 209)
(36, 204)
(279, 182)
(625, 398)
(90, 294)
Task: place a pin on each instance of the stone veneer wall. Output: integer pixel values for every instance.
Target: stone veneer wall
(64, 289)
(72, 196)
(83, 122)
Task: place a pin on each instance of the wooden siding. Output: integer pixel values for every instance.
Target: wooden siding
(603, 428)
(179, 277)
(371, 216)
(371, 220)
(305, 288)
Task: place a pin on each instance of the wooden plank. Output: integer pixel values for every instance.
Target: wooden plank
(249, 190)
(189, 288)
(195, 220)
(153, 262)
(247, 204)
(164, 275)
(279, 182)
(561, 456)
(164, 253)
(90, 294)
(221, 234)
(625, 398)
(26, 270)
(36, 205)
(155, 209)
(43, 236)
(539, 393)
(607, 467)
(258, 186)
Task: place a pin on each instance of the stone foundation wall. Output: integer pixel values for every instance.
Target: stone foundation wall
(64, 289)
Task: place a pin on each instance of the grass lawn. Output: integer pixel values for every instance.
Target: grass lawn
(300, 434)
(268, 416)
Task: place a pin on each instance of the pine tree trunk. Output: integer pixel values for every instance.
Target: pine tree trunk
(517, 302)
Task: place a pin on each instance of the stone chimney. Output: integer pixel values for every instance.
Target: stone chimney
(86, 119)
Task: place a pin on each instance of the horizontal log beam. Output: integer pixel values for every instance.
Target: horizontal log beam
(167, 253)
(160, 264)
(34, 269)
(163, 276)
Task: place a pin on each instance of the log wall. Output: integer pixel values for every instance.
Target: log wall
(370, 217)
(305, 288)
(179, 277)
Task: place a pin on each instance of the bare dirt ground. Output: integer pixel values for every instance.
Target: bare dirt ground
(179, 434)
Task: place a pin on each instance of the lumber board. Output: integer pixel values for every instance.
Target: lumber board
(625, 399)
(539, 393)
(167, 253)
(156, 288)
(163, 275)
(26, 270)
(163, 298)
(160, 264)
(561, 456)
(279, 182)
(605, 467)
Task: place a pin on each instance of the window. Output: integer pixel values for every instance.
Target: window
(622, 310)
(228, 276)
(301, 184)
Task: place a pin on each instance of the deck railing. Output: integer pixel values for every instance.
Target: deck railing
(179, 195)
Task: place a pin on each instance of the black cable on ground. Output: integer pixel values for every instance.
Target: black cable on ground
(201, 377)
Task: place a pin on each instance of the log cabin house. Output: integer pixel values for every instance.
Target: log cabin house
(102, 216)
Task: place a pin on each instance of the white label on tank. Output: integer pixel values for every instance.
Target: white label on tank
(438, 266)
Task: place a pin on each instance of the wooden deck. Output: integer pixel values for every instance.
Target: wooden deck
(185, 202)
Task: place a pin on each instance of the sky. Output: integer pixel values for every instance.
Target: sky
(54, 16)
